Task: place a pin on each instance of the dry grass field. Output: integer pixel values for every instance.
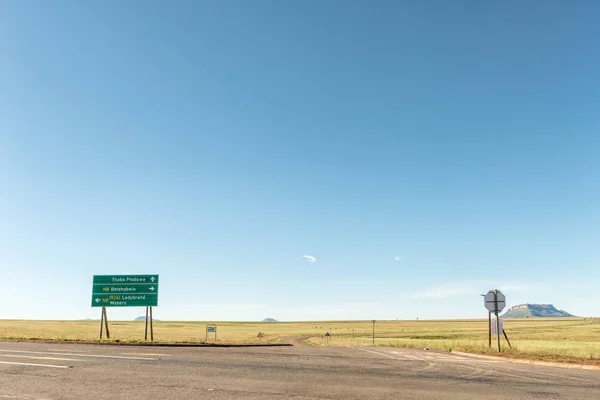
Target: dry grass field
(554, 339)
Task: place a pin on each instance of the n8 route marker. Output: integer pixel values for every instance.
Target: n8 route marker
(125, 291)
(141, 288)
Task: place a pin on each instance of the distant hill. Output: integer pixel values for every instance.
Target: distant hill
(535, 311)
(143, 318)
(269, 320)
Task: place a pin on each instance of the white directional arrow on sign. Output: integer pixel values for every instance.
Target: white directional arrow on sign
(97, 300)
(151, 288)
(152, 279)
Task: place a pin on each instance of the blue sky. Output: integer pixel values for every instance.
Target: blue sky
(217, 142)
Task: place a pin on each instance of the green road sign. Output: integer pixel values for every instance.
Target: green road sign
(125, 291)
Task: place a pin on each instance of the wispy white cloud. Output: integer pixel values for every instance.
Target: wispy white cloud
(231, 306)
(473, 288)
(520, 286)
(335, 310)
(310, 259)
(397, 258)
(446, 290)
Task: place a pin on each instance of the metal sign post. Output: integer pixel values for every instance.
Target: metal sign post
(373, 321)
(495, 302)
(497, 319)
(211, 329)
(490, 329)
(151, 326)
(106, 323)
(146, 329)
(101, 322)
(506, 336)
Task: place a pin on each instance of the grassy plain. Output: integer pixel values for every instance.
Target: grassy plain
(553, 339)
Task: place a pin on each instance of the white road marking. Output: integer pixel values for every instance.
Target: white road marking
(502, 369)
(35, 365)
(69, 351)
(498, 370)
(78, 355)
(550, 375)
(462, 360)
(375, 352)
(447, 356)
(425, 357)
(409, 356)
(41, 358)
(530, 362)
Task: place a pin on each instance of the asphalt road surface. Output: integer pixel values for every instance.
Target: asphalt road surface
(36, 371)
